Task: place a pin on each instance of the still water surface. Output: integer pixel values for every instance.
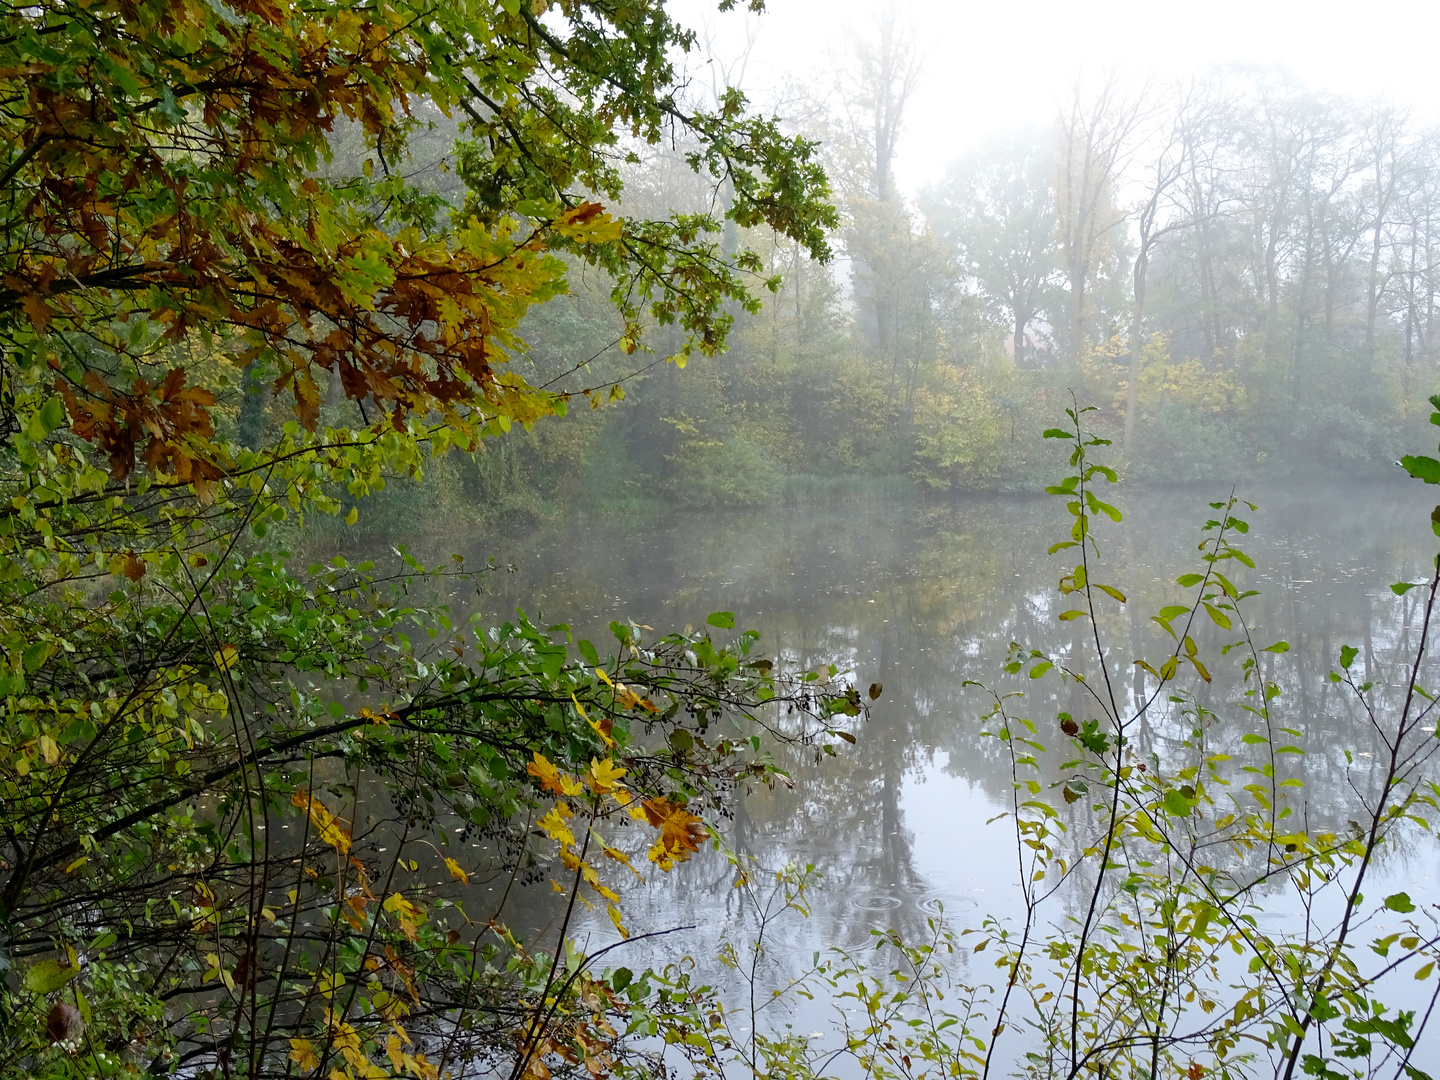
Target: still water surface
(922, 598)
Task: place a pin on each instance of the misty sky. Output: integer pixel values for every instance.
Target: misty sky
(998, 64)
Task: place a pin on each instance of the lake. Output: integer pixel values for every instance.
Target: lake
(922, 598)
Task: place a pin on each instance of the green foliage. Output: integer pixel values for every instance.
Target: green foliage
(1147, 868)
(239, 798)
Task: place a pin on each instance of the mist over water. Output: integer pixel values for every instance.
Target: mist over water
(922, 598)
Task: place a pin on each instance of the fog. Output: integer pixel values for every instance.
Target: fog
(991, 67)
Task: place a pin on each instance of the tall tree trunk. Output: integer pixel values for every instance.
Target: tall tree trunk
(1137, 328)
(251, 423)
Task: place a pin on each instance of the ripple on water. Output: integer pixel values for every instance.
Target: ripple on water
(947, 906)
(874, 902)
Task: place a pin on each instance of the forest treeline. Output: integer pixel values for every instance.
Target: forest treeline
(1241, 271)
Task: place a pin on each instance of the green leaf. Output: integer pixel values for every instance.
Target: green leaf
(1040, 669)
(36, 654)
(1400, 902)
(1278, 647)
(1056, 433)
(47, 976)
(1111, 591)
(1177, 804)
(1422, 468)
(1218, 617)
(1400, 588)
(725, 620)
(51, 415)
(587, 650)
(1067, 616)
(1185, 581)
(1347, 655)
(1103, 508)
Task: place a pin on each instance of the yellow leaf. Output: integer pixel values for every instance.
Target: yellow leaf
(620, 857)
(326, 824)
(588, 224)
(49, 750)
(615, 918)
(303, 1054)
(554, 825)
(226, 657)
(604, 775)
(546, 773)
(408, 914)
(604, 735)
(455, 871)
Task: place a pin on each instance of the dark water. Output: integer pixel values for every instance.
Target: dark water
(923, 598)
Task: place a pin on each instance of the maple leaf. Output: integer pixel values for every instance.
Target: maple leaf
(604, 775)
(554, 825)
(303, 1054)
(552, 779)
(681, 833)
(546, 773)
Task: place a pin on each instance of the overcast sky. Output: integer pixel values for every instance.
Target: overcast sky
(999, 64)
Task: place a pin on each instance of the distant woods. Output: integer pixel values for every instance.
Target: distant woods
(1242, 273)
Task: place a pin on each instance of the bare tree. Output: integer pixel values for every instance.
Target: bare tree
(1388, 169)
(1161, 211)
(1094, 145)
(873, 99)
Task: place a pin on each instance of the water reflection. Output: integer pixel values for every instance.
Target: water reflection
(921, 599)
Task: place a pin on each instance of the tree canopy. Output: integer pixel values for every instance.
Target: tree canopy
(220, 774)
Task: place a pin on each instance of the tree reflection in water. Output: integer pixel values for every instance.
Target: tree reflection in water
(922, 598)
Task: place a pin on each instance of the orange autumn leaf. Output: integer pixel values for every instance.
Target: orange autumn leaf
(546, 773)
(681, 833)
(37, 311)
(551, 778)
